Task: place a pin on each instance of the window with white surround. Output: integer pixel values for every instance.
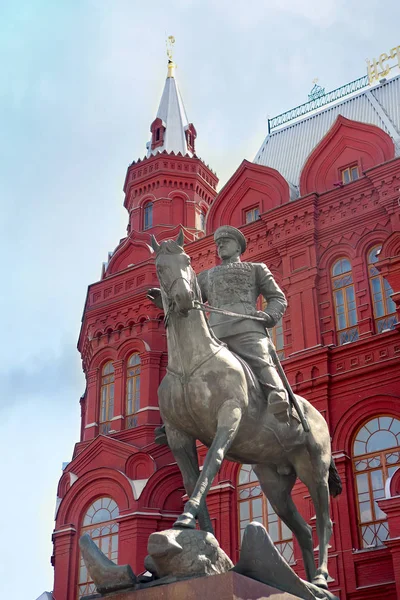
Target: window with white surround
(148, 216)
(132, 390)
(106, 397)
(253, 506)
(99, 522)
(345, 301)
(383, 305)
(376, 456)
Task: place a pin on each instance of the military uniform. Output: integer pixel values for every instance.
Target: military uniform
(236, 287)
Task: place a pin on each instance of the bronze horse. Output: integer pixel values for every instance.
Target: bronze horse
(205, 396)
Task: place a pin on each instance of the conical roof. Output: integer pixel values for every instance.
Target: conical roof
(172, 113)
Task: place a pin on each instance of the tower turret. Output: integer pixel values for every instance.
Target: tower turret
(171, 187)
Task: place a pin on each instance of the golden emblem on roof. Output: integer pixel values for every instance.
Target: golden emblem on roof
(170, 45)
(377, 69)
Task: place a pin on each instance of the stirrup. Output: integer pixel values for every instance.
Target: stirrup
(279, 407)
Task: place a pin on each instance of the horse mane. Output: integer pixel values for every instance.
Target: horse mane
(170, 247)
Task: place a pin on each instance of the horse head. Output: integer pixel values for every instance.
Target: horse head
(176, 276)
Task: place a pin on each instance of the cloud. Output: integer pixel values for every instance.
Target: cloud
(254, 13)
(46, 378)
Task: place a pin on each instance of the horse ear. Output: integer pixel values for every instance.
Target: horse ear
(154, 244)
(180, 240)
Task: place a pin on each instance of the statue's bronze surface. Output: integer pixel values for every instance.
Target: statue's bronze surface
(206, 395)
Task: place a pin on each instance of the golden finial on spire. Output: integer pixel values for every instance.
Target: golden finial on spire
(171, 65)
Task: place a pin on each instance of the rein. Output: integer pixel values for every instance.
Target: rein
(221, 311)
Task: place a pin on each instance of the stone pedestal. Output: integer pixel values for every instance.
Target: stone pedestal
(228, 586)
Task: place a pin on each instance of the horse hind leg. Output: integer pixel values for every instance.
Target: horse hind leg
(315, 477)
(183, 447)
(277, 488)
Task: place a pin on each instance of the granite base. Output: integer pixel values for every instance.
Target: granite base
(229, 586)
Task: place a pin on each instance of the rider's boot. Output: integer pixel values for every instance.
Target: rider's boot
(278, 403)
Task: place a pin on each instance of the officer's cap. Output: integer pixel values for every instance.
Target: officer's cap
(231, 232)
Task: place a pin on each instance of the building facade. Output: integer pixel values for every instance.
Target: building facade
(320, 205)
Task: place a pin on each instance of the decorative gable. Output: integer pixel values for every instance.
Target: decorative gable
(348, 147)
(131, 252)
(252, 188)
(103, 451)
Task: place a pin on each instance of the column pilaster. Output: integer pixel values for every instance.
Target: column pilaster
(92, 413)
(64, 562)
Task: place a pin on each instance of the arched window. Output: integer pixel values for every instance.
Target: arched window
(345, 302)
(106, 397)
(148, 216)
(253, 506)
(384, 307)
(376, 456)
(99, 523)
(132, 390)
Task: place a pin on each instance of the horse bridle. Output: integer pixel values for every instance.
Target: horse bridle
(167, 291)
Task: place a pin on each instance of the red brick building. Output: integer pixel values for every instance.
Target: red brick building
(320, 206)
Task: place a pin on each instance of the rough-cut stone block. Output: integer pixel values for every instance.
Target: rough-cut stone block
(185, 553)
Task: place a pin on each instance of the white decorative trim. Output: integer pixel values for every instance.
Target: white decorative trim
(222, 486)
(337, 455)
(117, 417)
(91, 425)
(58, 502)
(148, 514)
(388, 483)
(64, 530)
(147, 408)
(138, 486)
(72, 478)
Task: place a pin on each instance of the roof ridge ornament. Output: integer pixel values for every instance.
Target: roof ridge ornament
(317, 90)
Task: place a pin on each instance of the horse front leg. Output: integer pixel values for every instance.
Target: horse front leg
(183, 447)
(229, 418)
(320, 496)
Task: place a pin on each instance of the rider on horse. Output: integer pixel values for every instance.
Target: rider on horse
(235, 287)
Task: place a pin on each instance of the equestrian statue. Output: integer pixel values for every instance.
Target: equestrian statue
(225, 387)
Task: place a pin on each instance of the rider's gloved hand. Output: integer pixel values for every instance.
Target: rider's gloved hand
(269, 322)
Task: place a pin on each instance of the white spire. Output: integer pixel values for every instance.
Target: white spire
(174, 119)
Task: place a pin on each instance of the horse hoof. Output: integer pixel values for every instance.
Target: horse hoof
(320, 581)
(186, 521)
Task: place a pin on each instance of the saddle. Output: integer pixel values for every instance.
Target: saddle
(253, 384)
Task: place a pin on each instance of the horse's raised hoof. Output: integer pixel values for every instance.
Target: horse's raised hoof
(320, 581)
(185, 521)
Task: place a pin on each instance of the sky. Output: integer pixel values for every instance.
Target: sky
(80, 83)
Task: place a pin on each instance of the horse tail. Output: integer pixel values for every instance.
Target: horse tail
(334, 481)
